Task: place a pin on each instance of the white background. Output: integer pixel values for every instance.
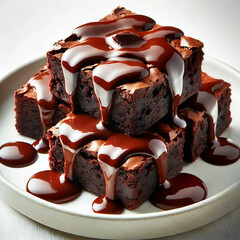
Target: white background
(29, 28)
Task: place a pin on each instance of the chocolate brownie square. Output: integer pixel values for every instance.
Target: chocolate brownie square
(136, 106)
(136, 178)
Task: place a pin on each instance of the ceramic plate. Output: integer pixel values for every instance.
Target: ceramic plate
(76, 217)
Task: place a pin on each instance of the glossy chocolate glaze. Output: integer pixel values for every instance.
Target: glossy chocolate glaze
(47, 104)
(220, 151)
(111, 73)
(75, 131)
(130, 38)
(106, 205)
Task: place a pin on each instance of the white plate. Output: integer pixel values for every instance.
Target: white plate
(76, 217)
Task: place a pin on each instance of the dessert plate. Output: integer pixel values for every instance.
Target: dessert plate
(76, 217)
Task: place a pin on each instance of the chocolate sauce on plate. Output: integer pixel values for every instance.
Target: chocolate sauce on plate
(180, 191)
(221, 152)
(106, 205)
(122, 47)
(75, 131)
(41, 145)
(17, 154)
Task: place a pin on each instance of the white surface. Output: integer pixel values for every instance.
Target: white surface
(29, 28)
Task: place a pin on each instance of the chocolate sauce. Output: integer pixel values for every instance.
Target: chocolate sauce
(125, 45)
(180, 191)
(133, 37)
(41, 145)
(17, 154)
(102, 29)
(219, 151)
(47, 105)
(75, 131)
(114, 152)
(111, 73)
(53, 187)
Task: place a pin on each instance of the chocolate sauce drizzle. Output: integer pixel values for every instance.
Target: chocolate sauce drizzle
(220, 150)
(53, 187)
(47, 104)
(135, 37)
(114, 152)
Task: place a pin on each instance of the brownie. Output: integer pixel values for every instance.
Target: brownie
(28, 121)
(198, 123)
(136, 106)
(137, 177)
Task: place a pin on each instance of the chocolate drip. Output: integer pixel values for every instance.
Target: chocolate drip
(17, 154)
(114, 152)
(180, 191)
(47, 105)
(76, 131)
(131, 37)
(220, 151)
(41, 145)
(111, 73)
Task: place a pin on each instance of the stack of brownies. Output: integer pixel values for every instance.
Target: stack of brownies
(137, 106)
